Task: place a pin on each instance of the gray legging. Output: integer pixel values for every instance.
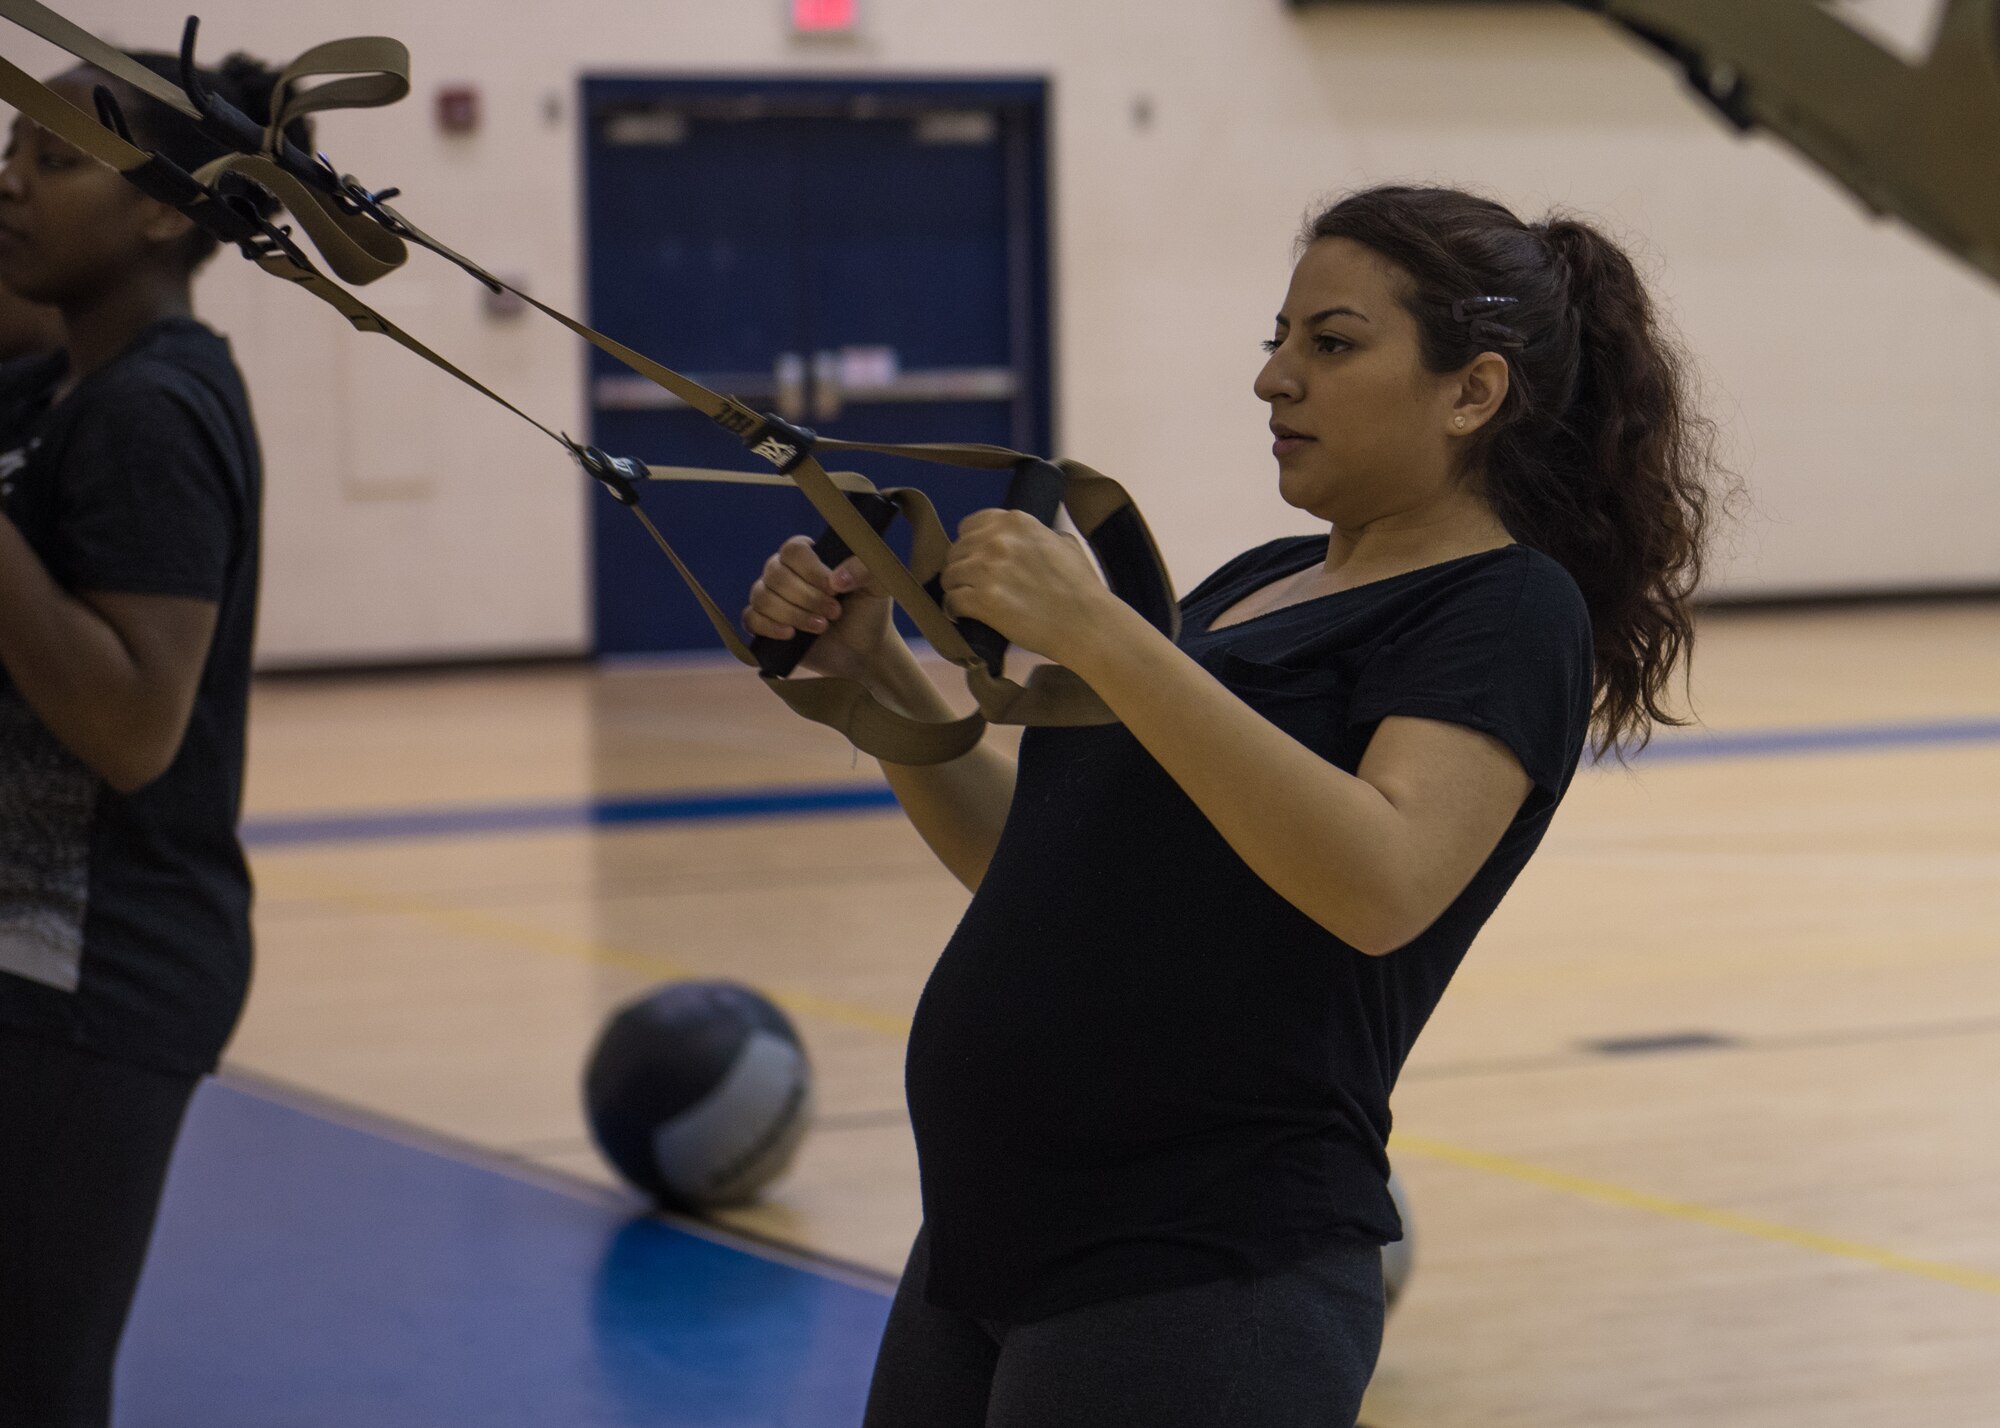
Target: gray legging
(1292, 1349)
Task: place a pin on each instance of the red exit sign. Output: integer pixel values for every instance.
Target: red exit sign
(824, 17)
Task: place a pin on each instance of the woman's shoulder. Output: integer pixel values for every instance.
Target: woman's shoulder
(1547, 589)
(1512, 580)
(175, 355)
(178, 377)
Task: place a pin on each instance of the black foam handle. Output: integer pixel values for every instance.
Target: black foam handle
(1037, 488)
(779, 658)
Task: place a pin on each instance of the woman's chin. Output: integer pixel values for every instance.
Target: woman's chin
(1300, 491)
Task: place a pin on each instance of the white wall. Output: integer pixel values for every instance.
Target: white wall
(1853, 367)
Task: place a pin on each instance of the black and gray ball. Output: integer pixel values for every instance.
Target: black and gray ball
(1400, 1256)
(699, 1093)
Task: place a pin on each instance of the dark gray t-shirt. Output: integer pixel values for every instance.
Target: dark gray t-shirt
(1135, 1066)
(124, 918)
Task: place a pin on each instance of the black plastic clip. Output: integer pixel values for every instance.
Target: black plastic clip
(269, 237)
(1473, 313)
(234, 130)
(220, 120)
(616, 474)
(109, 114)
(781, 443)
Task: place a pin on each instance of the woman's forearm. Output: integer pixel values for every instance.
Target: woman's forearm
(119, 704)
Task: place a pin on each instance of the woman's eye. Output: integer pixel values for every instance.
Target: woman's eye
(1328, 343)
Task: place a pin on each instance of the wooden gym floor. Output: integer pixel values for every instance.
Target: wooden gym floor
(1704, 1132)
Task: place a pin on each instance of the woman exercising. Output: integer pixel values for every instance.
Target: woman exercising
(1150, 1074)
(129, 493)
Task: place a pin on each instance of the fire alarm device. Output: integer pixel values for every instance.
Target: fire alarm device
(458, 109)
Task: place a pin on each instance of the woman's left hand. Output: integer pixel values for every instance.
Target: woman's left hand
(1034, 585)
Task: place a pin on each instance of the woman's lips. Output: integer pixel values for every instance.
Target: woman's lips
(1287, 441)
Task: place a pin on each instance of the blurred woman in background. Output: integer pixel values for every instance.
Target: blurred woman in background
(130, 488)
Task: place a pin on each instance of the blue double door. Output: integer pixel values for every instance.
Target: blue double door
(866, 258)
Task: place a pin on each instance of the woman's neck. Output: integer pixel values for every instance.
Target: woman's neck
(1412, 540)
(97, 329)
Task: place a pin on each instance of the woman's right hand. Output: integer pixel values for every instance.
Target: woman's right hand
(844, 607)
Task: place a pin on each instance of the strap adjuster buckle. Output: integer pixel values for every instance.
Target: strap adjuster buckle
(784, 444)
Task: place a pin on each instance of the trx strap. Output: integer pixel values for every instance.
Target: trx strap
(1919, 141)
(362, 238)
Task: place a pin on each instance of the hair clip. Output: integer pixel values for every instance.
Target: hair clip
(1472, 312)
(1465, 309)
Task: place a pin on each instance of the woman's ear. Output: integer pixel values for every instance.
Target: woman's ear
(165, 224)
(1482, 387)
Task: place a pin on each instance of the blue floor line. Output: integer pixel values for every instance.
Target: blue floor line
(1763, 743)
(282, 831)
(307, 1273)
(279, 832)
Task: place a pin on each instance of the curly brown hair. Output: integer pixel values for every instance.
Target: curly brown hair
(1598, 457)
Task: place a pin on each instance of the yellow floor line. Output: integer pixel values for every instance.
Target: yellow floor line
(1964, 1277)
(813, 1005)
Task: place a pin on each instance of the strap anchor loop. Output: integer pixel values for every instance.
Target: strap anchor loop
(616, 474)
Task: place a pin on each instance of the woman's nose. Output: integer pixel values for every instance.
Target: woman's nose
(1276, 381)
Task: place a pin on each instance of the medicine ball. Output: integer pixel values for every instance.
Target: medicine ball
(699, 1093)
(1400, 1256)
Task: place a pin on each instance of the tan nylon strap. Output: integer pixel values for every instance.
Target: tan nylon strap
(976, 455)
(726, 412)
(63, 119)
(417, 235)
(846, 705)
(916, 508)
(901, 584)
(358, 249)
(39, 19)
(1098, 497)
(716, 476)
(843, 704)
(365, 319)
(1090, 497)
(374, 70)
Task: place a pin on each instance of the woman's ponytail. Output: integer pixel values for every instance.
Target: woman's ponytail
(1597, 457)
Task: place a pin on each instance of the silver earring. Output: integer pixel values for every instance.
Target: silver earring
(1458, 421)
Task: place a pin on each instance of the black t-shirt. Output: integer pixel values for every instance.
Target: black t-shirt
(1135, 1066)
(124, 918)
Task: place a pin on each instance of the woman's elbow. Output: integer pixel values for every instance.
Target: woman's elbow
(1379, 928)
(1377, 944)
(128, 771)
(135, 756)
